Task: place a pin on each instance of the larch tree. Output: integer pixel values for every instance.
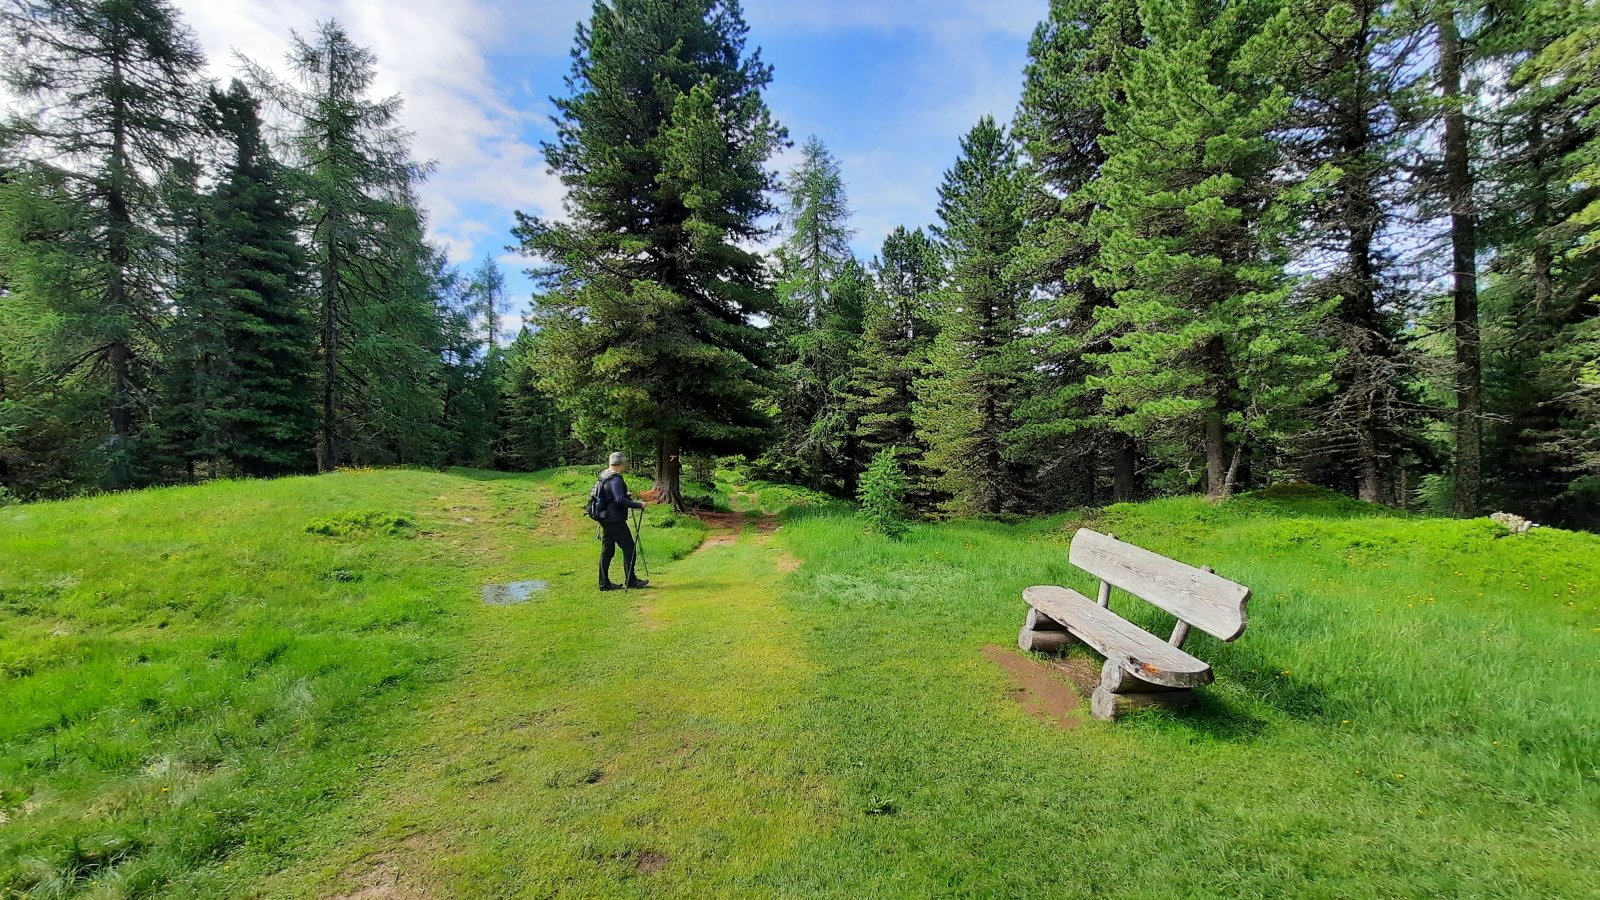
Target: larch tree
(110, 90)
(651, 280)
(966, 403)
(374, 303)
(820, 290)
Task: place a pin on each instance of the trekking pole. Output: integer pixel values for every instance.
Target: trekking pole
(638, 540)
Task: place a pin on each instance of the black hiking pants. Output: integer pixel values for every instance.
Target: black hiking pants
(612, 536)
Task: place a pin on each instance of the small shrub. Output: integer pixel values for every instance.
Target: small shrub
(883, 493)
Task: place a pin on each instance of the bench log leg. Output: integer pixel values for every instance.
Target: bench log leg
(1047, 642)
(1042, 634)
(1121, 692)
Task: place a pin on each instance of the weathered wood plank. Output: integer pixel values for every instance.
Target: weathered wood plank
(1140, 652)
(1207, 601)
(1038, 621)
(1104, 704)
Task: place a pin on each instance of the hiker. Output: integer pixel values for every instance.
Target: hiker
(609, 506)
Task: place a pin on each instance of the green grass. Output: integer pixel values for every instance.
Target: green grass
(291, 688)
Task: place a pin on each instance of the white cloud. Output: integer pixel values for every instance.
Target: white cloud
(437, 56)
(953, 18)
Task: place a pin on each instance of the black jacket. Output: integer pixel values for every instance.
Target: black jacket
(617, 504)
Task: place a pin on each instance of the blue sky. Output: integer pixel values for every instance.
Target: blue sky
(889, 86)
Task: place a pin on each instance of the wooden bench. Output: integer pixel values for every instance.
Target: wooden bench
(1141, 670)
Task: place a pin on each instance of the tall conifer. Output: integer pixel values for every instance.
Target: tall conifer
(966, 405)
(662, 144)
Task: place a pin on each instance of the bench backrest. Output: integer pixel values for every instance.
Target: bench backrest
(1209, 602)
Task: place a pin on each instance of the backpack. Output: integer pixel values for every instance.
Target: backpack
(598, 498)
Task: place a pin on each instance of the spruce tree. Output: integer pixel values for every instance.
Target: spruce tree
(266, 407)
(110, 91)
(897, 331)
(532, 431)
(966, 403)
(1209, 345)
(661, 144)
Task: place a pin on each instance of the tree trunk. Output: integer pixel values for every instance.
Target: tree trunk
(1371, 470)
(1216, 442)
(328, 442)
(1122, 470)
(1464, 260)
(1232, 480)
(119, 354)
(1216, 468)
(669, 473)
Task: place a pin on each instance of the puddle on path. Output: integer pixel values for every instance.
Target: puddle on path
(513, 593)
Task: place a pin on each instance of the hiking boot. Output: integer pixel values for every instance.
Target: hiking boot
(608, 586)
(638, 583)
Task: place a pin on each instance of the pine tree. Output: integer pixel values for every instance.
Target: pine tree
(1207, 339)
(1347, 66)
(111, 90)
(897, 331)
(373, 280)
(966, 403)
(821, 291)
(650, 288)
(1069, 79)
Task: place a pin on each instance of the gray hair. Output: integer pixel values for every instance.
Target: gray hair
(619, 458)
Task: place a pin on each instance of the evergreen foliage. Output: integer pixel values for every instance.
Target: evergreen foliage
(821, 304)
(882, 495)
(1210, 348)
(238, 363)
(1068, 82)
(110, 96)
(977, 370)
(661, 145)
(897, 331)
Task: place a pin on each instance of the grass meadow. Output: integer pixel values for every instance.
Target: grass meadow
(292, 688)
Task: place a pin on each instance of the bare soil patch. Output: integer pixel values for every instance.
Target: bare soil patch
(1040, 692)
(651, 861)
(384, 882)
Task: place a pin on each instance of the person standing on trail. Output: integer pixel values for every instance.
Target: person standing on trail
(609, 504)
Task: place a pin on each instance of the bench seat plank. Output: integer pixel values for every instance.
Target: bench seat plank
(1139, 652)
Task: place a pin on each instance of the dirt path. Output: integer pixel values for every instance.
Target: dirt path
(595, 739)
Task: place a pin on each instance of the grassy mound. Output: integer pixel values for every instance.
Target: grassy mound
(292, 688)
